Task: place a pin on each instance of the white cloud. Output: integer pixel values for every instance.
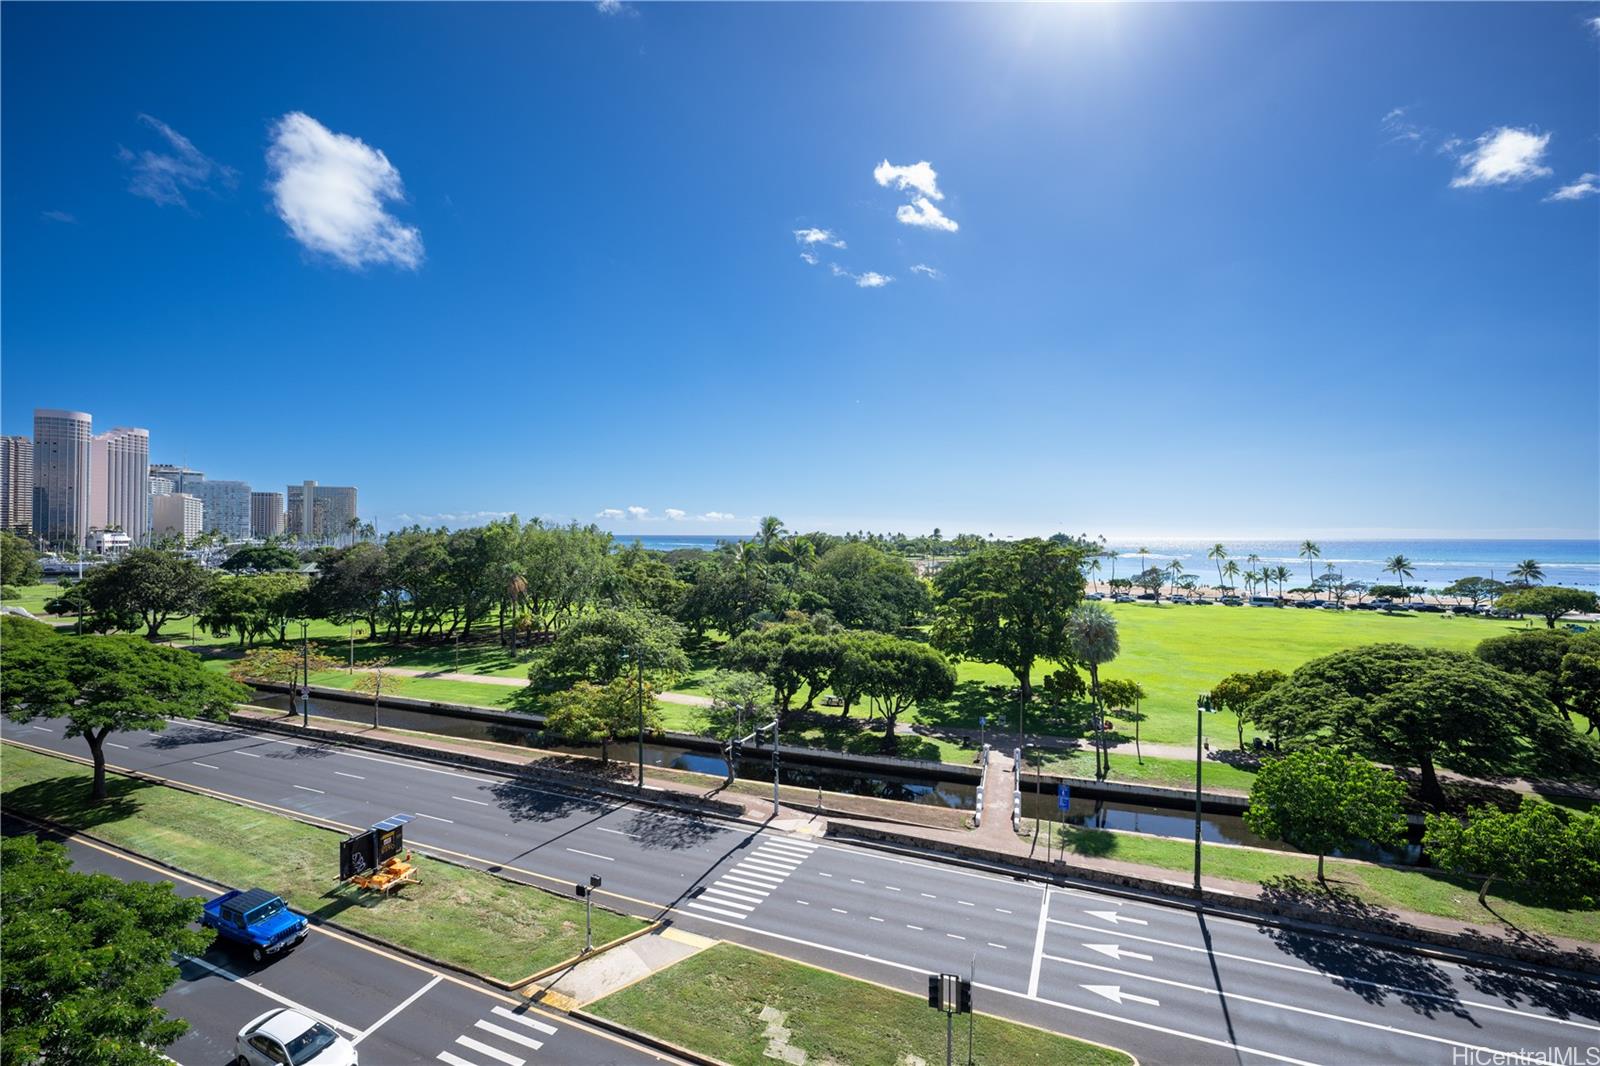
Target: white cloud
(614, 7)
(919, 176)
(637, 512)
(1586, 185)
(331, 189)
(1503, 156)
(609, 512)
(676, 515)
(1399, 127)
(59, 216)
(162, 177)
(810, 258)
(927, 271)
(923, 180)
(826, 237)
(716, 516)
(456, 518)
(1594, 26)
(872, 280)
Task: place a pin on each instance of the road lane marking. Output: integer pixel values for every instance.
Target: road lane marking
(697, 905)
(836, 910)
(758, 876)
(44, 729)
(592, 855)
(787, 848)
(768, 864)
(891, 888)
(737, 892)
(964, 903)
(463, 799)
(821, 874)
(802, 903)
(207, 765)
(1116, 918)
(607, 829)
(918, 928)
(1113, 951)
(455, 1060)
(757, 886)
(1002, 910)
(1073, 1008)
(992, 944)
(308, 788)
(857, 881)
(1116, 995)
(1209, 990)
(506, 1034)
(114, 744)
(711, 897)
(520, 1019)
(341, 773)
(402, 1005)
(873, 918)
(1038, 944)
(953, 936)
(493, 1052)
(246, 754)
(1333, 978)
(927, 895)
(434, 818)
(269, 993)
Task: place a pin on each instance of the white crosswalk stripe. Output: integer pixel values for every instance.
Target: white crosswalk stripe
(490, 1042)
(739, 891)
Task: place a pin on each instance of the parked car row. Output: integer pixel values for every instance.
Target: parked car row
(1419, 606)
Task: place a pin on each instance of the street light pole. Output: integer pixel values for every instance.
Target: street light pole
(305, 676)
(1202, 705)
(638, 666)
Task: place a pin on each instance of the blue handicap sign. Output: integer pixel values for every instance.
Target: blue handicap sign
(983, 719)
(1063, 796)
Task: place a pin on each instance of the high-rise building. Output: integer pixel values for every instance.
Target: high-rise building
(159, 486)
(266, 514)
(227, 507)
(16, 484)
(320, 512)
(62, 442)
(177, 514)
(180, 476)
(119, 481)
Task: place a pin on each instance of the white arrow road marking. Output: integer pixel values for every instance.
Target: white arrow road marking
(1117, 953)
(1113, 917)
(1116, 995)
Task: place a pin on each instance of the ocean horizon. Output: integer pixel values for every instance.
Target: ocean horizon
(1436, 562)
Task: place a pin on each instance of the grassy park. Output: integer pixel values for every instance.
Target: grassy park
(459, 916)
(712, 1003)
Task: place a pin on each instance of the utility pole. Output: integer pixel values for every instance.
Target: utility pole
(305, 675)
(1202, 706)
(586, 893)
(638, 663)
(775, 767)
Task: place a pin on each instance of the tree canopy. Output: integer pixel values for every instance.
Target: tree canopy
(1554, 852)
(86, 958)
(19, 563)
(1549, 602)
(269, 556)
(605, 643)
(1238, 692)
(103, 685)
(601, 714)
(1008, 604)
(1475, 589)
(1322, 800)
(1417, 707)
(145, 587)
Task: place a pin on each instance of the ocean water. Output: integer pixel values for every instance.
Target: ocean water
(1435, 563)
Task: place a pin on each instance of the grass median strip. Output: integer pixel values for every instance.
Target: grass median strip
(1292, 877)
(463, 917)
(738, 1005)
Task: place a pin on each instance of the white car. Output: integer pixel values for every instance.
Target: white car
(284, 1037)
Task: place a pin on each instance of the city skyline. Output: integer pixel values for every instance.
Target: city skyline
(872, 299)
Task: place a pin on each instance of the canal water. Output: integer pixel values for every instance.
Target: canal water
(1086, 811)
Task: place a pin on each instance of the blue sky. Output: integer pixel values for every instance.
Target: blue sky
(1234, 270)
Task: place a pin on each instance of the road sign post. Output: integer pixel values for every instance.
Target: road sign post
(586, 893)
(951, 993)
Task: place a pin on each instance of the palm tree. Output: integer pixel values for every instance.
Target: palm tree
(1142, 552)
(1111, 553)
(1230, 569)
(1310, 550)
(1217, 554)
(1093, 567)
(771, 529)
(1172, 572)
(1400, 567)
(352, 527)
(1092, 631)
(1251, 579)
(1528, 571)
(1282, 574)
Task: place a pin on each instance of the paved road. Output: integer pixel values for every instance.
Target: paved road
(395, 1009)
(1169, 985)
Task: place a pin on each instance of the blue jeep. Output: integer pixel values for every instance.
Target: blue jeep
(257, 919)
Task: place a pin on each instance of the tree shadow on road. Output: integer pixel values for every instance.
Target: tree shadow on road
(530, 799)
(1375, 975)
(1526, 992)
(182, 736)
(655, 830)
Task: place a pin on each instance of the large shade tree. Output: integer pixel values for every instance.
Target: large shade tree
(86, 957)
(102, 685)
(607, 643)
(1421, 708)
(1549, 602)
(1322, 800)
(1008, 604)
(146, 587)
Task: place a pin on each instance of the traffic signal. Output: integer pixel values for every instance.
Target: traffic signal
(964, 998)
(933, 992)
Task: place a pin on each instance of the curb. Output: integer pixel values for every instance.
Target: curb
(585, 956)
(645, 1038)
(1396, 934)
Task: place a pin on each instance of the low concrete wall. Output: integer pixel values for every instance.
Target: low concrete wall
(564, 778)
(1249, 907)
(1156, 795)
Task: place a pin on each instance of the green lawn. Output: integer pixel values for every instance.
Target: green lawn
(1425, 891)
(31, 598)
(1174, 773)
(463, 917)
(1177, 652)
(711, 1003)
